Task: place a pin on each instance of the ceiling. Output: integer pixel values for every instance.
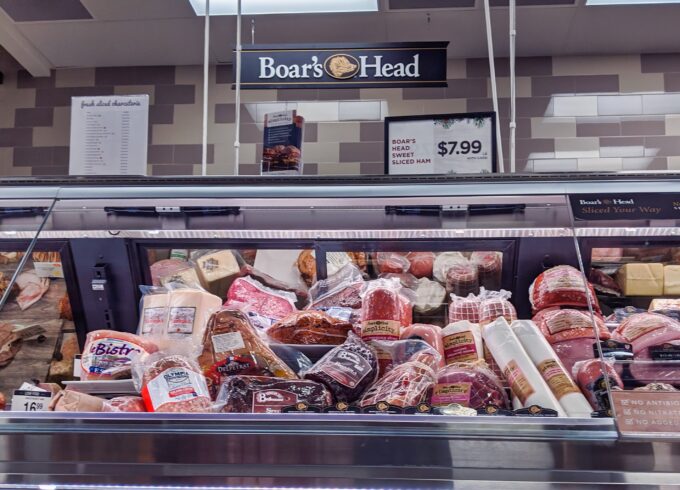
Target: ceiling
(86, 33)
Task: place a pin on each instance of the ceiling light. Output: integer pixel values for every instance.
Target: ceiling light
(629, 2)
(257, 7)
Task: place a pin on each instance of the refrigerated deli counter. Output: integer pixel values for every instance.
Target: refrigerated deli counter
(384, 332)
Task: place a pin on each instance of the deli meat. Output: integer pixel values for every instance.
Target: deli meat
(392, 262)
(489, 268)
(124, 404)
(561, 286)
(109, 354)
(258, 394)
(421, 263)
(347, 370)
(462, 279)
(466, 308)
(495, 304)
(382, 310)
(558, 325)
(232, 346)
(267, 302)
(311, 328)
(470, 384)
(646, 331)
(406, 385)
(590, 378)
(31, 288)
(431, 334)
(173, 383)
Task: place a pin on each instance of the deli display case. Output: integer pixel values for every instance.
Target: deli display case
(386, 332)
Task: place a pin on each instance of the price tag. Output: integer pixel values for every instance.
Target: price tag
(31, 401)
(49, 269)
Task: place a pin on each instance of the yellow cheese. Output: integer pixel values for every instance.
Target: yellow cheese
(664, 304)
(671, 280)
(217, 271)
(641, 279)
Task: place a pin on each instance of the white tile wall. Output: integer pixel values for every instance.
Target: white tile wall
(584, 105)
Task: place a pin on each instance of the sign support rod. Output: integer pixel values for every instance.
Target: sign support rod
(494, 93)
(513, 94)
(237, 133)
(206, 80)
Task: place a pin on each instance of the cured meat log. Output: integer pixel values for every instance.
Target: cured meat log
(408, 384)
(109, 354)
(462, 342)
(462, 279)
(257, 394)
(464, 308)
(470, 385)
(173, 383)
(232, 346)
(382, 310)
(489, 268)
(421, 263)
(495, 304)
(311, 328)
(347, 370)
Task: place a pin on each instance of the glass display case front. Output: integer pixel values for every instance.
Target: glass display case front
(246, 319)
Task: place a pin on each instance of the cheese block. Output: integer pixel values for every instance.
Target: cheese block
(659, 304)
(638, 279)
(188, 313)
(671, 280)
(217, 270)
(154, 314)
(187, 276)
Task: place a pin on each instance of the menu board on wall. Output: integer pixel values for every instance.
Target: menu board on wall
(109, 135)
(441, 144)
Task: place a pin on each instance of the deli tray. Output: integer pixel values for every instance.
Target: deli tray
(104, 387)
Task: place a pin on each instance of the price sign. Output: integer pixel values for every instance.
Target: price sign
(31, 401)
(441, 144)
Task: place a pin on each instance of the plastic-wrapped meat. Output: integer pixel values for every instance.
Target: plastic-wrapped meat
(646, 332)
(266, 301)
(173, 383)
(462, 342)
(495, 304)
(124, 404)
(558, 325)
(346, 370)
(590, 379)
(443, 262)
(604, 283)
(406, 385)
(561, 286)
(464, 308)
(31, 288)
(392, 353)
(109, 354)
(462, 279)
(382, 310)
(259, 394)
(342, 289)
(607, 254)
(431, 334)
(392, 262)
(232, 346)
(311, 328)
(430, 296)
(270, 282)
(489, 267)
(572, 351)
(405, 311)
(470, 385)
(421, 263)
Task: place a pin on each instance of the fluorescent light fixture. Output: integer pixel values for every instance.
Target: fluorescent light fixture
(258, 7)
(629, 2)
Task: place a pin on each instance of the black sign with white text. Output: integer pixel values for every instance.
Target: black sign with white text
(344, 65)
(604, 207)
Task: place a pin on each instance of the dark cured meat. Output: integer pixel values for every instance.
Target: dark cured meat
(258, 394)
(347, 370)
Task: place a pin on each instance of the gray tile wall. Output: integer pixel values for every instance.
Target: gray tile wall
(573, 114)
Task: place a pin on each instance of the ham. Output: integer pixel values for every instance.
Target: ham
(431, 334)
(31, 287)
(109, 354)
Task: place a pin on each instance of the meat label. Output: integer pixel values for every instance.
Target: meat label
(559, 279)
(519, 384)
(347, 368)
(272, 401)
(565, 321)
(181, 319)
(460, 347)
(153, 320)
(446, 394)
(634, 331)
(175, 385)
(228, 342)
(380, 330)
(560, 384)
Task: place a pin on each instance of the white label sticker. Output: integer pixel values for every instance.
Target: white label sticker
(49, 269)
(228, 342)
(31, 401)
(181, 319)
(176, 385)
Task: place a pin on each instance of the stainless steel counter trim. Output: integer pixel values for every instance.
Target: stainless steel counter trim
(298, 234)
(627, 231)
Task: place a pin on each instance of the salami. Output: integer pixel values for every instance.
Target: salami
(462, 279)
(382, 309)
(173, 383)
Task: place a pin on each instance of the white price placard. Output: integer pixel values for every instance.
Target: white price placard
(109, 135)
(31, 401)
(440, 144)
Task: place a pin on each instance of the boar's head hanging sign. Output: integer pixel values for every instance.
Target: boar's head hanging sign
(344, 66)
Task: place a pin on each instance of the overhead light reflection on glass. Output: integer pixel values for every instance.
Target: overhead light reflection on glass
(260, 7)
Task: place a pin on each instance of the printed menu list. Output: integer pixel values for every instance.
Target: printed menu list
(109, 135)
